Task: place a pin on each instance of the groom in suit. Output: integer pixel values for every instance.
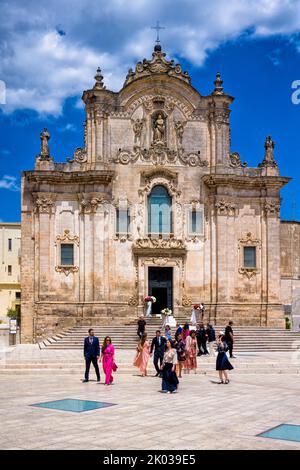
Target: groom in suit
(91, 354)
(159, 346)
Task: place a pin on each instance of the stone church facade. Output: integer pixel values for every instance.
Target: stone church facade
(154, 203)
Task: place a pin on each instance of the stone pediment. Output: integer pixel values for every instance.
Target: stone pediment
(157, 65)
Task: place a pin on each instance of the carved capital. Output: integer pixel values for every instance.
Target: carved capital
(272, 208)
(44, 205)
(224, 207)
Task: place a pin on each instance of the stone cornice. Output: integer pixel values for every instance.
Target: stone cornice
(243, 181)
(61, 177)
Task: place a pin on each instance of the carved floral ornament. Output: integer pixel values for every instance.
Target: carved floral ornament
(67, 237)
(159, 155)
(66, 269)
(164, 243)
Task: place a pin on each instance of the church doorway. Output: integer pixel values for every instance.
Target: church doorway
(160, 281)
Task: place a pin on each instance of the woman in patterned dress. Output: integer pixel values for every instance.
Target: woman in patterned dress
(191, 351)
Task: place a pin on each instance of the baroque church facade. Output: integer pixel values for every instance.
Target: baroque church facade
(154, 203)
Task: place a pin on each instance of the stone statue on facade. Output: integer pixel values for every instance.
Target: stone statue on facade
(269, 147)
(45, 136)
(269, 160)
(137, 129)
(159, 130)
(179, 128)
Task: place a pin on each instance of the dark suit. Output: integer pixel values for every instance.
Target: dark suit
(91, 352)
(159, 346)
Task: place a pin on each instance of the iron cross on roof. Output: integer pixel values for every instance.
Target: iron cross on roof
(157, 27)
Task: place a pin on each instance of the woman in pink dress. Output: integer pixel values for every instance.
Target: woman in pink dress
(108, 360)
(191, 350)
(143, 354)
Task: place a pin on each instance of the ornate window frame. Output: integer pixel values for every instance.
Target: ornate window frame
(197, 206)
(167, 179)
(67, 238)
(122, 204)
(249, 241)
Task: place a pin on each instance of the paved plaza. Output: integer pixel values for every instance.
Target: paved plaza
(203, 415)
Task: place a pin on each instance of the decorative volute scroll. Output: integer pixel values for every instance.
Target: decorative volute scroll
(157, 65)
(186, 301)
(159, 155)
(80, 155)
(133, 300)
(235, 161)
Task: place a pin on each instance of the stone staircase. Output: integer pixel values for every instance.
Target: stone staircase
(247, 338)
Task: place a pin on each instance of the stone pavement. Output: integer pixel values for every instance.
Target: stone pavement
(203, 415)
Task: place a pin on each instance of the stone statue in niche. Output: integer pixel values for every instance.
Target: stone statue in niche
(137, 129)
(159, 130)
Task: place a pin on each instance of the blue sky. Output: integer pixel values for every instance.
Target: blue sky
(50, 56)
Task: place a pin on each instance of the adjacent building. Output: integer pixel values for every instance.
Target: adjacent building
(10, 264)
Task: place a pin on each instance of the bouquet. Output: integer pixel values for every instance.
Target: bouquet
(150, 298)
(166, 311)
(197, 307)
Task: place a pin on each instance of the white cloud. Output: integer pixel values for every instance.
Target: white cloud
(69, 127)
(42, 67)
(9, 182)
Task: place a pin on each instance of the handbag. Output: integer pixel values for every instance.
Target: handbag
(114, 367)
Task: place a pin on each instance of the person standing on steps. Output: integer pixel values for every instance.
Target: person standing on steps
(158, 345)
(201, 339)
(229, 338)
(211, 337)
(141, 326)
(91, 350)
